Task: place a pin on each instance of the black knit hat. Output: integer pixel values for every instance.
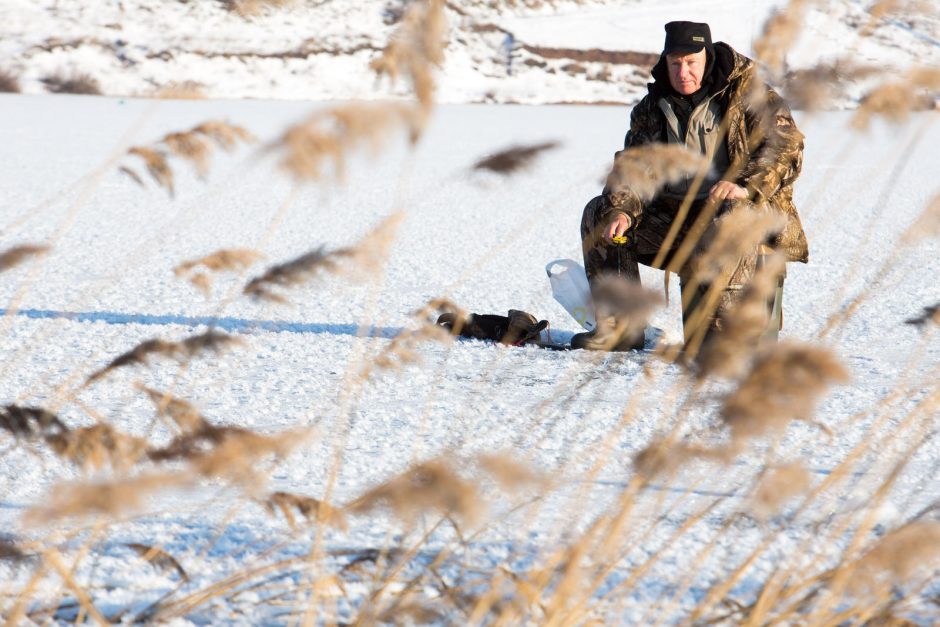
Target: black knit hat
(687, 37)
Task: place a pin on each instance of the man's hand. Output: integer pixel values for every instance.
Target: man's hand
(618, 227)
(726, 190)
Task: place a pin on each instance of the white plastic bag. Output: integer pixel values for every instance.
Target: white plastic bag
(570, 288)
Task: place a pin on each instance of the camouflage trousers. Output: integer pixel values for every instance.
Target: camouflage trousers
(601, 258)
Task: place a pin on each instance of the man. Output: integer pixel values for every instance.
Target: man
(708, 98)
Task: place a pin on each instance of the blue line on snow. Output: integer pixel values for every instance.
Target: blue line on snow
(226, 324)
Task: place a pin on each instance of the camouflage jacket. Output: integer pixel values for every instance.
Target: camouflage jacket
(764, 144)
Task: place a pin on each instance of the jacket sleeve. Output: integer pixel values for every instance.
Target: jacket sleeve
(778, 156)
(622, 199)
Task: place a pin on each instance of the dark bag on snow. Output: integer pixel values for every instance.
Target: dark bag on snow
(517, 328)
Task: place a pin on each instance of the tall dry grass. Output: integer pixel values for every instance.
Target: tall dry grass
(445, 557)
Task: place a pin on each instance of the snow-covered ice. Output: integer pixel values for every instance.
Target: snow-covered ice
(480, 240)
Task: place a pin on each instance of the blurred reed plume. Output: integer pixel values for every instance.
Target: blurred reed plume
(183, 90)
(310, 508)
(230, 453)
(778, 486)
(359, 261)
(109, 498)
(403, 349)
(131, 175)
(627, 301)
(330, 135)
(9, 552)
(663, 458)
(927, 224)
(72, 83)
(292, 273)
(815, 88)
(779, 33)
(905, 554)
(513, 159)
(159, 559)
(511, 474)
(157, 166)
(930, 314)
(98, 445)
(194, 145)
(415, 49)
(729, 353)
(30, 422)
(735, 234)
(234, 259)
(643, 170)
(784, 384)
(12, 257)
(894, 100)
(210, 341)
(183, 414)
(429, 486)
(190, 146)
(9, 82)
(253, 8)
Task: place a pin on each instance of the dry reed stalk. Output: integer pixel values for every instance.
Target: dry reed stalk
(895, 100)
(643, 170)
(784, 384)
(930, 314)
(311, 509)
(514, 159)
(186, 417)
(737, 233)
(416, 48)
(159, 559)
(30, 422)
(430, 485)
(14, 256)
(107, 498)
(329, 136)
(95, 446)
(779, 33)
(778, 486)
(899, 557)
(157, 166)
(729, 353)
(927, 224)
(210, 341)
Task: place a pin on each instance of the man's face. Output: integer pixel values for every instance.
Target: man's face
(686, 70)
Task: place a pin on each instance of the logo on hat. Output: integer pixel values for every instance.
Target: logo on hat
(697, 38)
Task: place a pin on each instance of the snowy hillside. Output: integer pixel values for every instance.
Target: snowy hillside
(562, 51)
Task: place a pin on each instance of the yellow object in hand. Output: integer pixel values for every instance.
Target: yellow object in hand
(620, 239)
